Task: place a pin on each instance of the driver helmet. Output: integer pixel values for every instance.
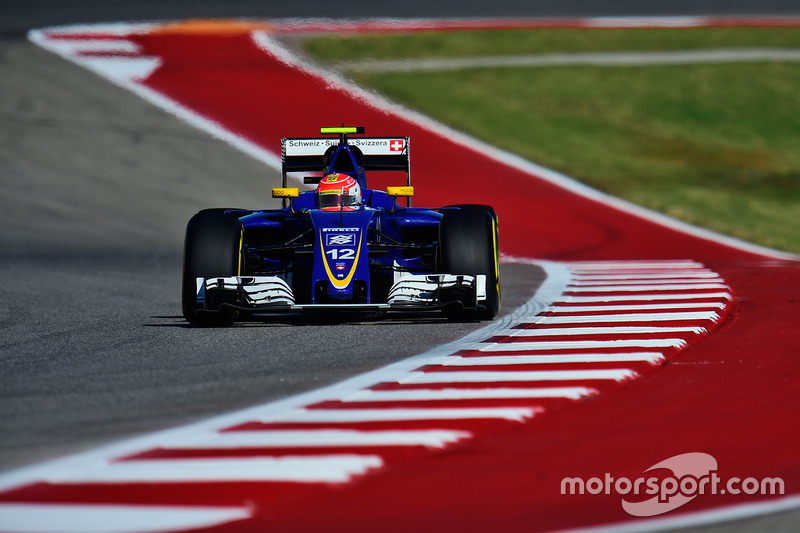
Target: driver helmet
(338, 191)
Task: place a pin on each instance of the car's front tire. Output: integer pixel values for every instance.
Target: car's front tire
(468, 244)
(212, 248)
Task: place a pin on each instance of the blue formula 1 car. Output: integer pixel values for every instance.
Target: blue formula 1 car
(341, 246)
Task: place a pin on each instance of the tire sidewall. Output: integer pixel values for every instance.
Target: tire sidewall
(212, 248)
(468, 244)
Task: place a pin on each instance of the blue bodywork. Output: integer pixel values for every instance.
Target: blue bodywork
(379, 256)
(341, 256)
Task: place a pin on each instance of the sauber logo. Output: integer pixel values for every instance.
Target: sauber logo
(341, 239)
(397, 145)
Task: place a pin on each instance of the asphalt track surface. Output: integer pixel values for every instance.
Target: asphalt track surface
(97, 188)
(91, 318)
(18, 16)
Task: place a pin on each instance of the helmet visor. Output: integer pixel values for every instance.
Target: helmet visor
(327, 201)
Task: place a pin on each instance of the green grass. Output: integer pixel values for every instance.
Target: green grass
(715, 145)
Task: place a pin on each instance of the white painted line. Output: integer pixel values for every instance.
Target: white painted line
(551, 288)
(616, 374)
(103, 518)
(649, 357)
(632, 317)
(300, 469)
(608, 330)
(392, 415)
(121, 69)
(634, 272)
(337, 391)
(435, 438)
(635, 265)
(647, 281)
(639, 22)
(337, 82)
(618, 275)
(272, 47)
(582, 345)
(98, 30)
(700, 274)
(467, 394)
(646, 297)
(635, 307)
(607, 59)
(298, 25)
(122, 77)
(82, 46)
(649, 288)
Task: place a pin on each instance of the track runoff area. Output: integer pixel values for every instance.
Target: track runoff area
(650, 383)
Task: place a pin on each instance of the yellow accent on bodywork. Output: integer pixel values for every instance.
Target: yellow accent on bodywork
(241, 246)
(340, 129)
(285, 192)
(343, 283)
(400, 191)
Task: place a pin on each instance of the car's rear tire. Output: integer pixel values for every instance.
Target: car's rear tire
(468, 244)
(212, 248)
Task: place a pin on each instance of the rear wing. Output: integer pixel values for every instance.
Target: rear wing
(380, 153)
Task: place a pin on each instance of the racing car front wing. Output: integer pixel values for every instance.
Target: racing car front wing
(411, 292)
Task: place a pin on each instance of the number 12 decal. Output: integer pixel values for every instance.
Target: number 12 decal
(341, 253)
